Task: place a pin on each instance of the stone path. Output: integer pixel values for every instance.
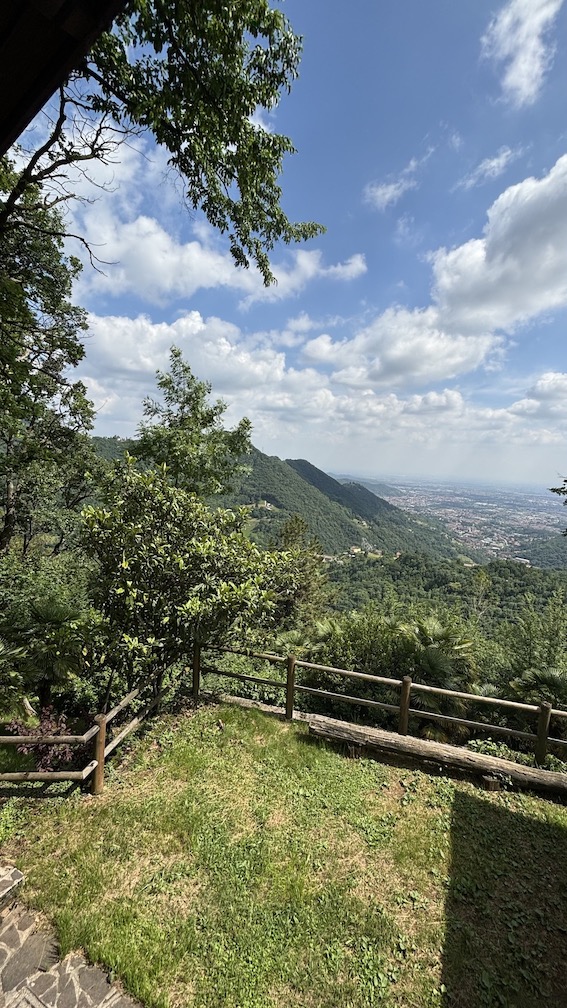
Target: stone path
(31, 973)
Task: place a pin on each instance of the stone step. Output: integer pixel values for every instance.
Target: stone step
(10, 880)
(72, 983)
(32, 976)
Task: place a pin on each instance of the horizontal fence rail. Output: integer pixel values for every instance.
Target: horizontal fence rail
(97, 733)
(540, 738)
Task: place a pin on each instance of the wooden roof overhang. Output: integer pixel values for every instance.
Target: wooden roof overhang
(41, 41)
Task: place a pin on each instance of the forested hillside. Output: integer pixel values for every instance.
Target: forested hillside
(111, 448)
(351, 495)
(339, 516)
(494, 592)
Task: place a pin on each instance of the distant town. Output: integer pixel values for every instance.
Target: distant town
(500, 521)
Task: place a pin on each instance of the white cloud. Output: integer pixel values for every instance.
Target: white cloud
(303, 411)
(381, 195)
(518, 270)
(143, 258)
(385, 194)
(551, 387)
(481, 292)
(490, 168)
(262, 119)
(518, 39)
(398, 349)
(407, 234)
(292, 279)
(133, 227)
(546, 399)
(349, 270)
(455, 140)
(322, 390)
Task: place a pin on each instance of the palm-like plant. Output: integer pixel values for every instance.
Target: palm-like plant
(53, 646)
(10, 676)
(438, 654)
(535, 685)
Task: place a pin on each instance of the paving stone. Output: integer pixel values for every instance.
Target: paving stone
(10, 880)
(69, 993)
(95, 983)
(31, 976)
(14, 929)
(85, 1001)
(24, 999)
(11, 938)
(26, 961)
(41, 984)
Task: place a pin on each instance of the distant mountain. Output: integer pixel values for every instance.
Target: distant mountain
(275, 492)
(376, 486)
(351, 495)
(340, 516)
(380, 489)
(111, 448)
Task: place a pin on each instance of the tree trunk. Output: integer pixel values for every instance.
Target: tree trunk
(8, 529)
(44, 694)
(107, 691)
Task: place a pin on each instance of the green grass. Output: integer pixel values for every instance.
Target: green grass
(231, 861)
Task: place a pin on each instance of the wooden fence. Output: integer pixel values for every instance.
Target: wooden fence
(97, 735)
(542, 713)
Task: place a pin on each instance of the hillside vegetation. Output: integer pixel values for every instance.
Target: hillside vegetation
(339, 516)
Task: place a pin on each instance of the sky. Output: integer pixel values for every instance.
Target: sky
(423, 333)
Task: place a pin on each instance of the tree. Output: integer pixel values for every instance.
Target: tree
(537, 639)
(193, 73)
(309, 602)
(562, 491)
(41, 410)
(185, 433)
(45, 622)
(173, 572)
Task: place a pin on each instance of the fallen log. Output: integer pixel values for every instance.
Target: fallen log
(447, 757)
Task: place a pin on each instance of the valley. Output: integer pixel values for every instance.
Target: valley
(522, 523)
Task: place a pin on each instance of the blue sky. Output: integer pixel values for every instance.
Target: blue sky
(424, 332)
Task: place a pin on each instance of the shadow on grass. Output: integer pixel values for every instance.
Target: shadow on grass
(506, 909)
(39, 789)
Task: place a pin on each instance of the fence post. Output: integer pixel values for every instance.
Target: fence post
(97, 782)
(196, 671)
(290, 687)
(404, 706)
(543, 719)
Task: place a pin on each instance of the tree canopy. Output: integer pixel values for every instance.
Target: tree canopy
(173, 572)
(42, 411)
(184, 432)
(194, 74)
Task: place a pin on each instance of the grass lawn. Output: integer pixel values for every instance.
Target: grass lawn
(232, 862)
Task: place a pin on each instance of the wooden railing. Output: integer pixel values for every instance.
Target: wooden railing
(542, 713)
(97, 734)
(103, 747)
